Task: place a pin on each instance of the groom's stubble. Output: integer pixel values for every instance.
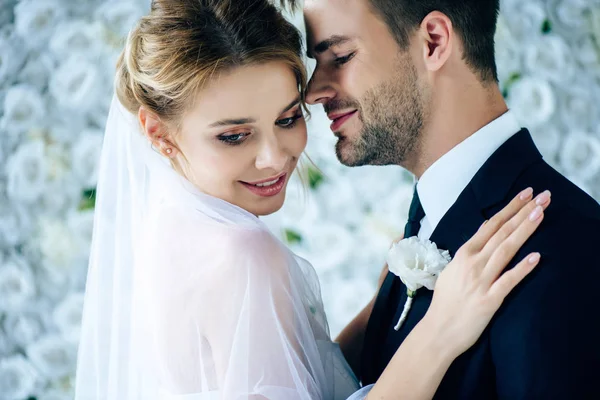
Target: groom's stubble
(392, 116)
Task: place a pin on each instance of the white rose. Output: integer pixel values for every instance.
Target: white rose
(580, 155)
(569, 16)
(77, 37)
(524, 18)
(36, 19)
(27, 172)
(17, 285)
(24, 109)
(18, 377)
(61, 393)
(24, 328)
(508, 52)
(15, 222)
(417, 263)
(86, 157)
(53, 356)
(7, 347)
(532, 100)
(81, 223)
(37, 70)
(67, 316)
(57, 245)
(120, 17)
(11, 57)
(75, 84)
(550, 58)
(7, 12)
(578, 104)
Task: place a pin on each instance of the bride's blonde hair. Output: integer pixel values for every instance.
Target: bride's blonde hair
(182, 44)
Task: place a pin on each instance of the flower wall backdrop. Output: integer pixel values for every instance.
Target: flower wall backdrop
(56, 69)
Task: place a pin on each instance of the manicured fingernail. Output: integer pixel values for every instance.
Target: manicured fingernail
(526, 194)
(534, 258)
(543, 198)
(536, 213)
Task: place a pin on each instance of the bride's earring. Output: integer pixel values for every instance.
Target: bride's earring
(169, 150)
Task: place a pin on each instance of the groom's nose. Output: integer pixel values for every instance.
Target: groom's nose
(319, 89)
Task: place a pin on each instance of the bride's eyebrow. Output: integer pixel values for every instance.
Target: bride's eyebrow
(232, 121)
(291, 105)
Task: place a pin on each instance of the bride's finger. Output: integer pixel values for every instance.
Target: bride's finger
(489, 229)
(507, 250)
(543, 200)
(507, 282)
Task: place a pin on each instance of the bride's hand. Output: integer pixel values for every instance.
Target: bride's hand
(472, 287)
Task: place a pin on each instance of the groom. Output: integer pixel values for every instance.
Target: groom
(414, 83)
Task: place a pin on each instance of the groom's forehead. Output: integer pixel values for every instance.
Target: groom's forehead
(326, 19)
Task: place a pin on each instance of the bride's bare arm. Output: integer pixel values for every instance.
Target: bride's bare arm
(468, 293)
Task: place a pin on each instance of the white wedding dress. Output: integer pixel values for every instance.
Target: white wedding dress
(190, 297)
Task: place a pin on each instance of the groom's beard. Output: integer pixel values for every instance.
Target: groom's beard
(392, 118)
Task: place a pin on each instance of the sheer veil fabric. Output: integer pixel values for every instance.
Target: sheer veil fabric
(191, 297)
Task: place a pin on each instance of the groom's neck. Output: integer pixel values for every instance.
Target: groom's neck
(458, 111)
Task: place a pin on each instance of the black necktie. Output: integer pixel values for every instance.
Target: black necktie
(415, 215)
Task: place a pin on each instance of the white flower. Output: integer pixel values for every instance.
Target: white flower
(17, 378)
(15, 223)
(508, 52)
(27, 172)
(578, 105)
(24, 328)
(86, 157)
(569, 16)
(36, 19)
(75, 84)
(580, 155)
(62, 393)
(77, 37)
(37, 70)
(11, 58)
(524, 18)
(17, 285)
(24, 109)
(53, 356)
(67, 316)
(533, 101)
(417, 263)
(57, 245)
(550, 58)
(119, 17)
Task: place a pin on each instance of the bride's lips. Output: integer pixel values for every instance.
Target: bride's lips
(267, 187)
(339, 119)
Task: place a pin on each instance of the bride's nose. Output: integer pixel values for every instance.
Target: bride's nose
(271, 154)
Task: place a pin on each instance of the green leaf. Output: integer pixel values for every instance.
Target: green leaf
(315, 177)
(546, 26)
(292, 236)
(88, 200)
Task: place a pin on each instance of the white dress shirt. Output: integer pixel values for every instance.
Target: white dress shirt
(442, 183)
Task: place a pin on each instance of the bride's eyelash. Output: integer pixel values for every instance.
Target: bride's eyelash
(289, 123)
(234, 139)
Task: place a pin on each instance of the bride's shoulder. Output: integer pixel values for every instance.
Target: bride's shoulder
(209, 233)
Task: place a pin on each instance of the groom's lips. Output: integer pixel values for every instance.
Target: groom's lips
(339, 119)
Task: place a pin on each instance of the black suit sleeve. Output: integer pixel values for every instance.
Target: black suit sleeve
(545, 340)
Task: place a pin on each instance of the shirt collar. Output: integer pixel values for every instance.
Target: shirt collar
(442, 183)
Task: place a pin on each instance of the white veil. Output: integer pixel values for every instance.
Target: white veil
(188, 296)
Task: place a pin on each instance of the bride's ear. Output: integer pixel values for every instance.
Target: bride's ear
(156, 132)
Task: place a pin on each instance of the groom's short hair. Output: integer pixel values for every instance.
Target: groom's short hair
(473, 20)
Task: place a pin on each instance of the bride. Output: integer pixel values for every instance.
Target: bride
(189, 296)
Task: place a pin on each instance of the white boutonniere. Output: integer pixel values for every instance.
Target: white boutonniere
(417, 263)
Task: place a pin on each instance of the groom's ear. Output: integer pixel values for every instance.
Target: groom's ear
(437, 40)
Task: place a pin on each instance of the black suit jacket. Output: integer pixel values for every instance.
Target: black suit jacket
(544, 342)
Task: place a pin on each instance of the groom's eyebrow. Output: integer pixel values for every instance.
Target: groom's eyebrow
(326, 44)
